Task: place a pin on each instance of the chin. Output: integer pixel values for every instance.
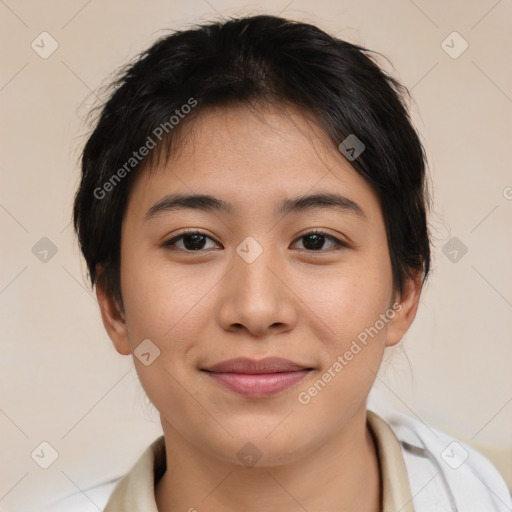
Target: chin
(260, 447)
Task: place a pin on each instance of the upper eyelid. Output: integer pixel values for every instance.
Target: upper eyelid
(181, 235)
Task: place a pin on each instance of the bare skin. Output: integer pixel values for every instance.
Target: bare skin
(305, 304)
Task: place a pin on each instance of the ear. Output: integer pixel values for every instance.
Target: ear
(405, 310)
(112, 316)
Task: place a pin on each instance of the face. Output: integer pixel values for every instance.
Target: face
(266, 269)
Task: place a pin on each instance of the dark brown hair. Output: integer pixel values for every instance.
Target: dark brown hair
(253, 60)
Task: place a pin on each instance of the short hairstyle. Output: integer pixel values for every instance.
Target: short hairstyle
(248, 61)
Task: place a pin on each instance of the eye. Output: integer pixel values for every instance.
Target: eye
(195, 241)
(315, 241)
(190, 241)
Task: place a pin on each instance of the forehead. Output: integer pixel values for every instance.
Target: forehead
(252, 159)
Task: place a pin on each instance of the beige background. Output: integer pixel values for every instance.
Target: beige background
(61, 379)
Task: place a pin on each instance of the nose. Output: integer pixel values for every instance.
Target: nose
(256, 297)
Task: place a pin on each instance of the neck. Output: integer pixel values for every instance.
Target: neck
(341, 474)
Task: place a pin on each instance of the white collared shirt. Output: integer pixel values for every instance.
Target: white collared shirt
(135, 492)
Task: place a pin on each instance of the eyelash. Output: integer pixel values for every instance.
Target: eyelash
(338, 243)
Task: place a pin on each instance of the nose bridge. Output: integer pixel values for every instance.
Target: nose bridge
(252, 265)
(255, 297)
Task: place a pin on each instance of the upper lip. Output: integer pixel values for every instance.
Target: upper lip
(253, 366)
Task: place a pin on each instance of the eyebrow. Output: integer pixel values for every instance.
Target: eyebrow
(207, 203)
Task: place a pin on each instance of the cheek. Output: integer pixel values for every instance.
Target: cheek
(162, 301)
(353, 308)
(353, 305)
(351, 297)
(165, 307)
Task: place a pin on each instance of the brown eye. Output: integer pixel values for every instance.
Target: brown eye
(316, 241)
(194, 242)
(189, 242)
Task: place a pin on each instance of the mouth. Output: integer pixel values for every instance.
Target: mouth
(257, 379)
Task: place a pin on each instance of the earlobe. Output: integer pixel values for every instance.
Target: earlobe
(113, 318)
(406, 309)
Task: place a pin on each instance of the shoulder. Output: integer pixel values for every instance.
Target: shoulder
(444, 472)
(132, 491)
(136, 490)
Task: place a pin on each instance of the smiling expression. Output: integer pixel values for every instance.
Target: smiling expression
(258, 239)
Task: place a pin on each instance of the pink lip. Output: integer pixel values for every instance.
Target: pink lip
(257, 379)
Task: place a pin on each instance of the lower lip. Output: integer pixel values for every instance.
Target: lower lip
(258, 385)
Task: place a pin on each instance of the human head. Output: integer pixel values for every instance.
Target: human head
(251, 61)
(252, 112)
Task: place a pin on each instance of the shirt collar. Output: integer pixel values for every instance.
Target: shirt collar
(396, 491)
(136, 490)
